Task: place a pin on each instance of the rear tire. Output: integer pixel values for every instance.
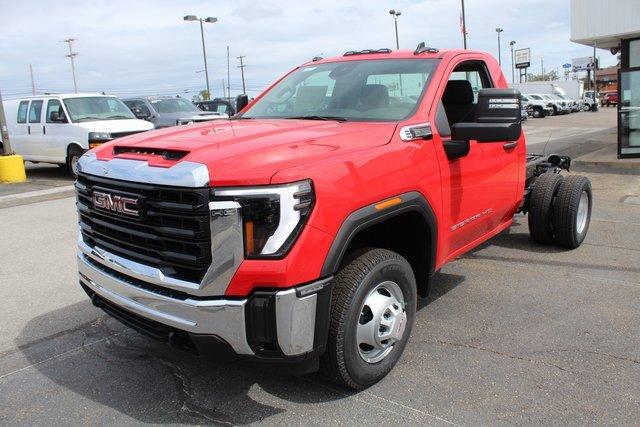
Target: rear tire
(537, 113)
(541, 201)
(373, 297)
(72, 160)
(572, 212)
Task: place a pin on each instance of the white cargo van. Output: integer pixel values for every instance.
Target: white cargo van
(60, 128)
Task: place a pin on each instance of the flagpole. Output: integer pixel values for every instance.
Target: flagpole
(464, 27)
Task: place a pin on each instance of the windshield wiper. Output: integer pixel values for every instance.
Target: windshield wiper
(88, 118)
(316, 117)
(118, 117)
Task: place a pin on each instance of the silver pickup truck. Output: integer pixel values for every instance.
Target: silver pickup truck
(165, 111)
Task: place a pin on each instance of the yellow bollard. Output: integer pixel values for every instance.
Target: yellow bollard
(12, 169)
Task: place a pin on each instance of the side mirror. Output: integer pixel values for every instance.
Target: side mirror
(241, 102)
(55, 117)
(498, 118)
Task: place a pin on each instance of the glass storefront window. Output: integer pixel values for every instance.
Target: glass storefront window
(634, 53)
(629, 111)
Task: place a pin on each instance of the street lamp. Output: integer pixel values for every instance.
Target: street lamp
(395, 14)
(499, 30)
(209, 20)
(513, 67)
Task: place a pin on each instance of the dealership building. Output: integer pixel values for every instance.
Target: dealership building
(615, 26)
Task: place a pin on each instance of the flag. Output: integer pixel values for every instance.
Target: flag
(463, 29)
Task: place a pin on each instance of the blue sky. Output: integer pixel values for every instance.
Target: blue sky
(144, 47)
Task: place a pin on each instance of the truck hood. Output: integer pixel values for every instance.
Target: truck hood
(250, 152)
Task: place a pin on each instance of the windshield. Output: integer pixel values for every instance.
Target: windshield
(174, 105)
(373, 90)
(92, 108)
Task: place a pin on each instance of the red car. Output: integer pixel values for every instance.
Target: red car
(302, 231)
(609, 98)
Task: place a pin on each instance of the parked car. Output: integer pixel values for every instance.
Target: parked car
(558, 105)
(60, 128)
(609, 98)
(302, 231)
(539, 106)
(218, 105)
(165, 111)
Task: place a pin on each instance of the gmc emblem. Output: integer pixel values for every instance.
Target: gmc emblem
(120, 204)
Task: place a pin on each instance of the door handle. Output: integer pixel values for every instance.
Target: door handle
(510, 145)
(29, 129)
(44, 130)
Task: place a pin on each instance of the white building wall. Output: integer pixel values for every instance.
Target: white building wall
(604, 21)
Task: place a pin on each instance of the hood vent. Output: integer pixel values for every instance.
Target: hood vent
(141, 151)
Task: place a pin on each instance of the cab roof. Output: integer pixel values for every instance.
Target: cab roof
(67, 95)
(384, 53)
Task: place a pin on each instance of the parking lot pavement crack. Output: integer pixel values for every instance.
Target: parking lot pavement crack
(598, 353)
(499, 353)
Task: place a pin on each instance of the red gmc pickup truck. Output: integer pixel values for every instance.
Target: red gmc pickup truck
(301, 231)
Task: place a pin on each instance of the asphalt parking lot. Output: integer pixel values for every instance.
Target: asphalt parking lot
(513, 333)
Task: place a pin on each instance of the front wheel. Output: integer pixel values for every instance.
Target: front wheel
(72, 161)
(373, 307)
(537, 113)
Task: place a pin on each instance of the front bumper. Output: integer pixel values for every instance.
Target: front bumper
(269, 324)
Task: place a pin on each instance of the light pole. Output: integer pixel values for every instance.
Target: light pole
(210, 20)
(499, 30)
(513, 67)
(463, 24)
(395, 14)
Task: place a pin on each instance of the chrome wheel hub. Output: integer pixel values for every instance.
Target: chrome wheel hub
(583, 211)
(74, 165)
(382, 322)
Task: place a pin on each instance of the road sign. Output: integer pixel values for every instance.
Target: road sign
(582, 64)
(522, 58)
(566, 66)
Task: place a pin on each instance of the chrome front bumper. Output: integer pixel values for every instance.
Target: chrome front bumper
(295, 308)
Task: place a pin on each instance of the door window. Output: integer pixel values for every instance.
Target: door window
(35, 111)
(629, 112)
(54, 106)
(22, 111)
(460, 96)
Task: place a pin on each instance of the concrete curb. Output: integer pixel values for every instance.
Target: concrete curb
(36, 196)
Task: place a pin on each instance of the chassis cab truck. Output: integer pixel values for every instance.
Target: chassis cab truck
(302, 231)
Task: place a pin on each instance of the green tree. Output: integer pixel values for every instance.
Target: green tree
(551, 75)
(203, 95)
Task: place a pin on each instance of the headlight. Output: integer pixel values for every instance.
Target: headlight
(272, 216)
(97, 138)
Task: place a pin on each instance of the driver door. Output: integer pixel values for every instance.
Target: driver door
(479, 190)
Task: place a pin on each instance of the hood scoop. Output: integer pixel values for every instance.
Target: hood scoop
(143, 152)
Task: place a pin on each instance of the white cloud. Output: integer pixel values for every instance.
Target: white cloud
(129, 47)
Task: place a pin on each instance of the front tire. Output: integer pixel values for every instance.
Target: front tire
(72, 161)
(373, 307)
(537, 113)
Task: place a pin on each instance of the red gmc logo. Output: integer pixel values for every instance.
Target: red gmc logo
(114, 203)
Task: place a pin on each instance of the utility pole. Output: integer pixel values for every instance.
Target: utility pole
(464, 28)
(499, 30)
(513, 67)
(542, 68)
(595, 67)
(241, 66)
(3, 130)
(71, 56)
(33, 85)
(228, 75)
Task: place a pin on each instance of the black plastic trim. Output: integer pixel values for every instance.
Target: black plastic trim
(368, 216)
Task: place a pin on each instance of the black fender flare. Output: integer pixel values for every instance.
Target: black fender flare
(367, 216)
